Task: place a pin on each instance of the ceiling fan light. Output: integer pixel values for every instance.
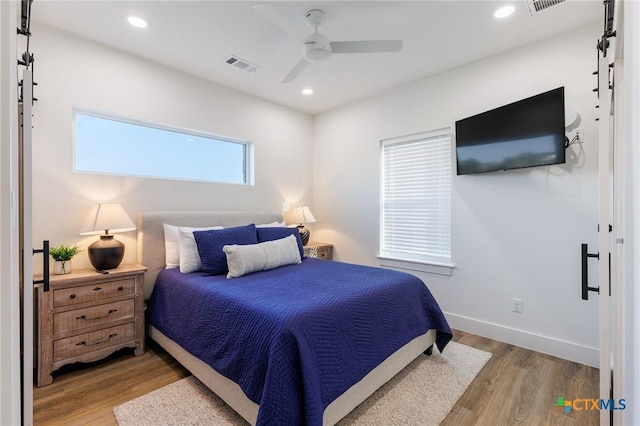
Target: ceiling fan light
(317, 54)
(317, 47)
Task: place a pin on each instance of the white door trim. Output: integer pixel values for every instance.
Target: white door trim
(626, 267)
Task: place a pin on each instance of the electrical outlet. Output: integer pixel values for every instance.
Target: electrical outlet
(517, 305)
(577, 134)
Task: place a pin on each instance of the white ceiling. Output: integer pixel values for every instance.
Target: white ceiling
(199, 36)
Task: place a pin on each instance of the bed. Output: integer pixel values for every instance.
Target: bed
(303, 343)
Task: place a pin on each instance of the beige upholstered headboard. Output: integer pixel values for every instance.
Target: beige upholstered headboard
(151, 233)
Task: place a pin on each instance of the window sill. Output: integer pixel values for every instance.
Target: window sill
(430, 267)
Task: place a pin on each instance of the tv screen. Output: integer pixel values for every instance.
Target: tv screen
(526, 133)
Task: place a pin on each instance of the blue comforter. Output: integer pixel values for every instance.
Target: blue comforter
(296, 337)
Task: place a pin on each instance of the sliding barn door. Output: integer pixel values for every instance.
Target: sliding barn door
(26, 245)
(605, 226)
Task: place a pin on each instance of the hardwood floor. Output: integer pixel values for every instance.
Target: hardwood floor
(520, 387)
(516, 387)
(85, 394)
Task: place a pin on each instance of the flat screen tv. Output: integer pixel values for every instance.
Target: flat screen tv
(526, 133)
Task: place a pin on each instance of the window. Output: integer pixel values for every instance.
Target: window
(416, 199)
(119, 146)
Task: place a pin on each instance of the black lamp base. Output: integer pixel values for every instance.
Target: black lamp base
(106, 253)
(304, 234)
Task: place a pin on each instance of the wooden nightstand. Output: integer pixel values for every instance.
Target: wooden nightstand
(319, 250)
(86, 316)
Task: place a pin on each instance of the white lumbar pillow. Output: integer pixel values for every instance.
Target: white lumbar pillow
(244, 259)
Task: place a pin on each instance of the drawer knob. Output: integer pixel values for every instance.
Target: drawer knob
(97, 343)
(120, 288)
(73, 296)
(84, 317)
(97, 289)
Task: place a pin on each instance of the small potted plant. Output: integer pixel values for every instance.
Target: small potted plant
(62, 256)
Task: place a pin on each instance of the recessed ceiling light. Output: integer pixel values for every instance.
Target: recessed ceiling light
(137, 21)
(504, 11)
(307, 91)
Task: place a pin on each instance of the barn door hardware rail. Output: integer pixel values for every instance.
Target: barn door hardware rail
(603, 43)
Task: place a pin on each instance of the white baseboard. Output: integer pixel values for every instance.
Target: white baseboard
(536, 342)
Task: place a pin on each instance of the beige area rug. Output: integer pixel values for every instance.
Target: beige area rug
(423, 393)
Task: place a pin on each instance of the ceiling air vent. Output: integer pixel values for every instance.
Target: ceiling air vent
(242, 64)
(536, 6)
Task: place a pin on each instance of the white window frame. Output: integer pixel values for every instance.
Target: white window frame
(248, 147)
(439, 260)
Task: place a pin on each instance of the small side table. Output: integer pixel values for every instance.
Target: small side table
(319, 250)
(86, 316)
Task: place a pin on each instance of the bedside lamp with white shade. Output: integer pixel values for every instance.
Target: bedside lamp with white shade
(302, 215)
(105, 220)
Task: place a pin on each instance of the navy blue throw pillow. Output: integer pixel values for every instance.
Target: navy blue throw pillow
(277, 232)
(210, 243)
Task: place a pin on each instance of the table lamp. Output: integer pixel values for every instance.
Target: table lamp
(302, 215)
(106, 219)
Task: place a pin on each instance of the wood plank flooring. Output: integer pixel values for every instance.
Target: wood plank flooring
(516, 387)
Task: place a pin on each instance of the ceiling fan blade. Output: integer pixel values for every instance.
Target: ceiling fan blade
(280, 20)
(297, 69)
(367, 46)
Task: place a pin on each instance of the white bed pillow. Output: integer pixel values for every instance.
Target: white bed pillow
(189, 256)
(172, 243)
(244, 259)
(271, 225)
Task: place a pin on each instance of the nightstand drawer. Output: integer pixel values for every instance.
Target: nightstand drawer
(95, 315)
(88, 342)
(323, 254)
(88, 293)
(319, 250)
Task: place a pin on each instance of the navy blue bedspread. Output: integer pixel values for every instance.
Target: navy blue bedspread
(296, 337)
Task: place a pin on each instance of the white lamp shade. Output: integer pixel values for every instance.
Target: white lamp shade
(302, 215)
(107, 218)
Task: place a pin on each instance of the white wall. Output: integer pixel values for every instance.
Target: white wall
(75, 72)
(515, 234)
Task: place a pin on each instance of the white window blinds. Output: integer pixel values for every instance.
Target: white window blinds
(416, 198)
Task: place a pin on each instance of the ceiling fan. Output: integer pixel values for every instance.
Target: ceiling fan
(316, 46)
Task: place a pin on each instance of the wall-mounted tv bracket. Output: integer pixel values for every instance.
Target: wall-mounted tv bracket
(45, 265)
